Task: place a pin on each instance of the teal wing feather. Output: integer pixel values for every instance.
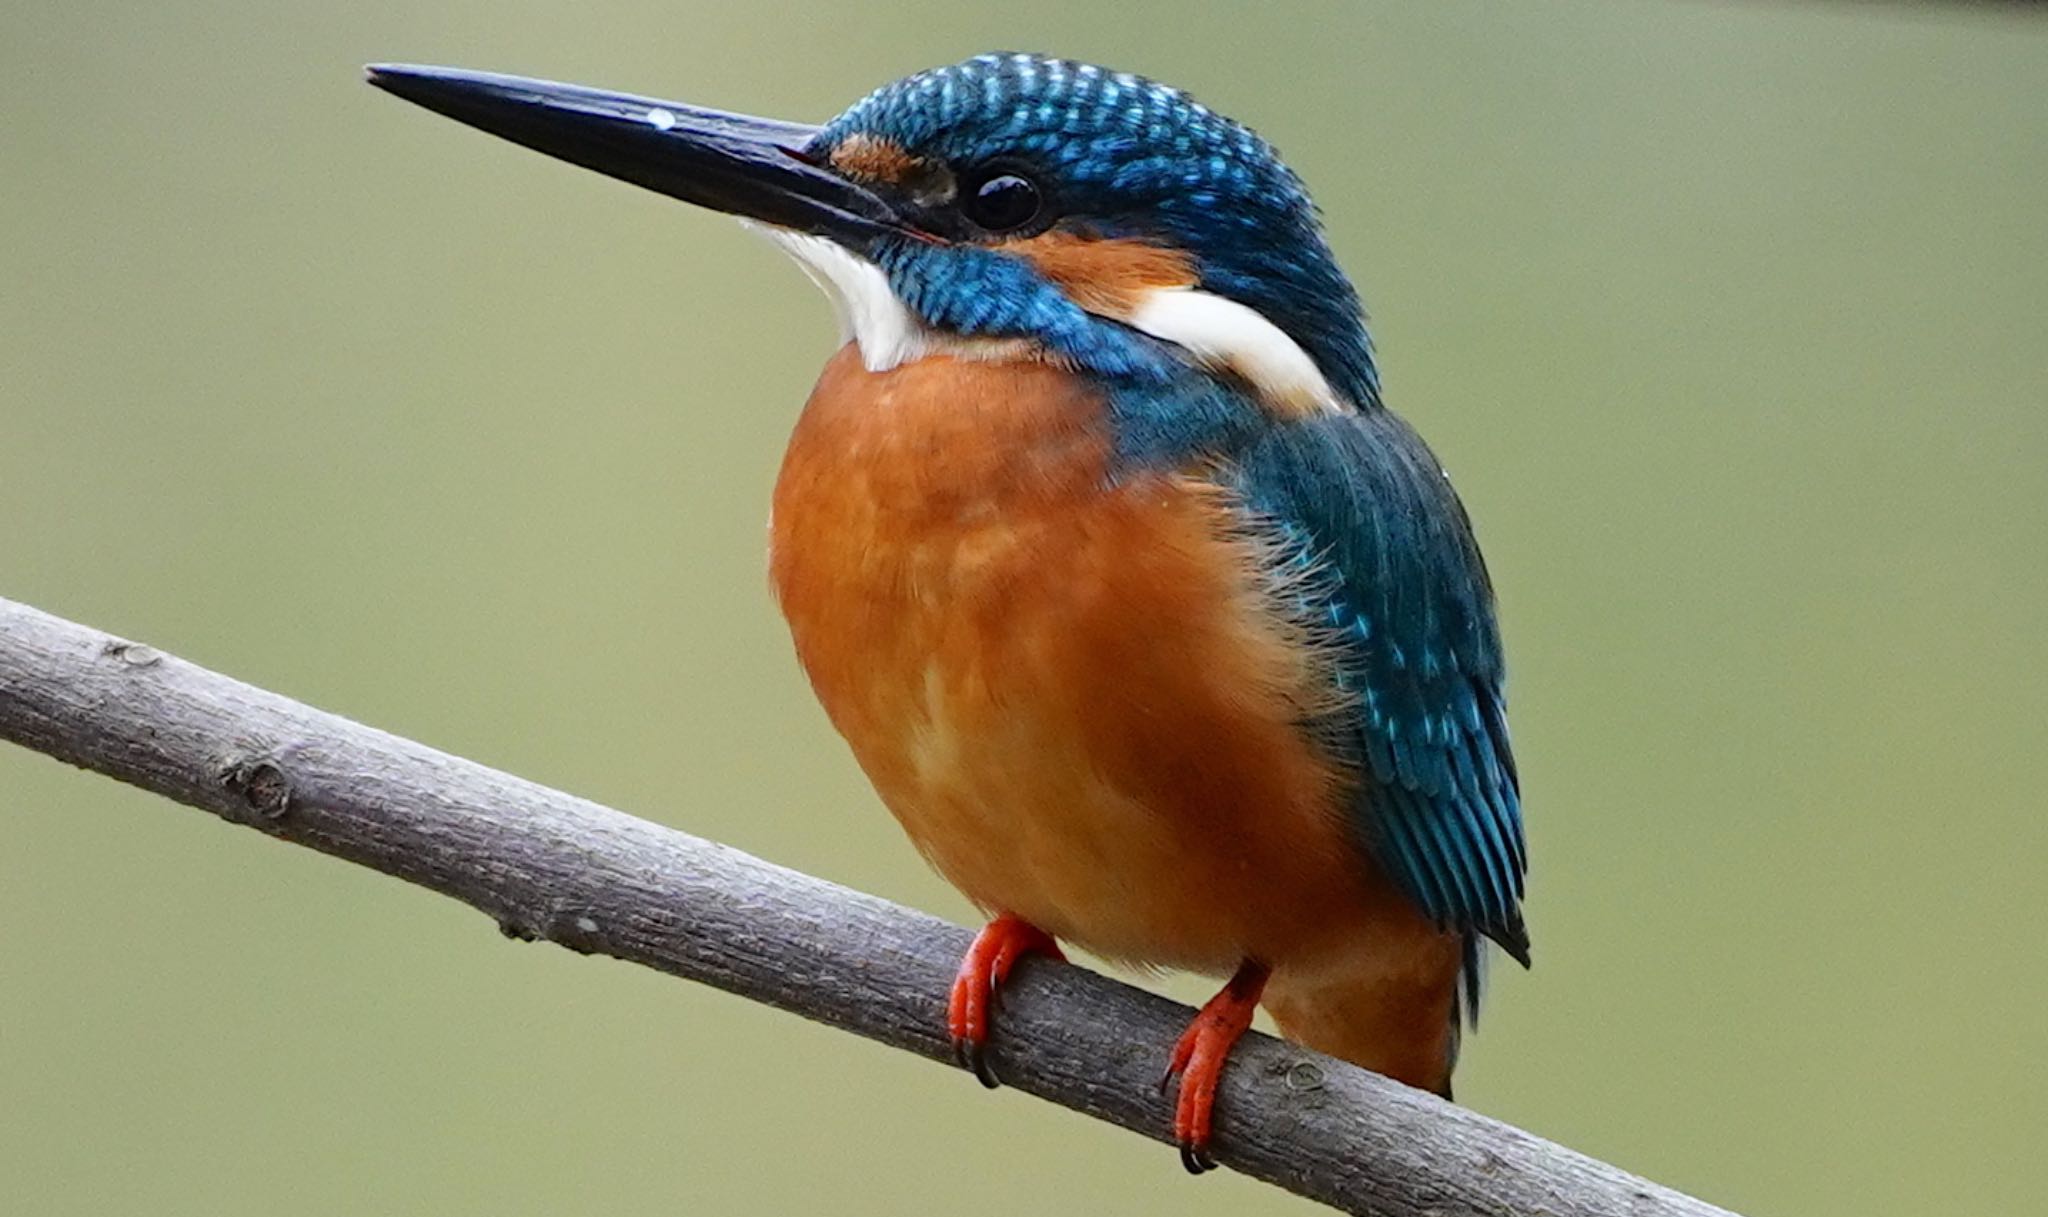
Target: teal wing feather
(1381, 562)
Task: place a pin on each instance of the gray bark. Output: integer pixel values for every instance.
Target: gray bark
(550, 866)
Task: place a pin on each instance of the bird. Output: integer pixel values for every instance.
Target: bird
(1158, 632)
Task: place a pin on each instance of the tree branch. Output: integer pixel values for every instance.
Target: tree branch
(548, 865)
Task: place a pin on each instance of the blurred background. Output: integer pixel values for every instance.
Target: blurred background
(1731, 321)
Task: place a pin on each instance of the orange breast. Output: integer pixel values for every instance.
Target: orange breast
(1070, 690)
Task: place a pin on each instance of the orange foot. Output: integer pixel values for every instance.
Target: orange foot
(972, 1008)
(1199, 1057)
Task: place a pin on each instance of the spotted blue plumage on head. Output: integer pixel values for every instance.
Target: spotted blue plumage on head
(1126, 157)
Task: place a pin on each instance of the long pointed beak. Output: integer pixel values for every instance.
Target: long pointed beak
(751, 167)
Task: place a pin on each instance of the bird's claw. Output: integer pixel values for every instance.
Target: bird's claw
(1194, 1153)
(973, 1057)
(970, 1009)
(1198, 1060)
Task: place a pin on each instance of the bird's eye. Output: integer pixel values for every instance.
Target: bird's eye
(1002, 202)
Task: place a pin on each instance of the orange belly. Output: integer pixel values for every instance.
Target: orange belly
(1070, 691)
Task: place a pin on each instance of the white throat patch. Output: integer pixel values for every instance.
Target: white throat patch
(1214, 331)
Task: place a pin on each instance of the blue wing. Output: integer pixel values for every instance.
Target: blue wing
(1381, 561)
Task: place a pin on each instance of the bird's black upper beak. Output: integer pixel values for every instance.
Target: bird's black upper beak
(751, 167)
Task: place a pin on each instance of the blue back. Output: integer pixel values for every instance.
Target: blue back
(1381, 569)
(1390, 575)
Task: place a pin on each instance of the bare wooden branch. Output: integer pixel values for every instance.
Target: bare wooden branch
(547, 865)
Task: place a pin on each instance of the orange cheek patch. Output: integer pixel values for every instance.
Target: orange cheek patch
(872, 158)
(1106, 277)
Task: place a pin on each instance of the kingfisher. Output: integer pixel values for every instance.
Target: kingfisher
(1157, 631)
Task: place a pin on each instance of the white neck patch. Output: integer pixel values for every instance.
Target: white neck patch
(1214, 331)
(1236, 338)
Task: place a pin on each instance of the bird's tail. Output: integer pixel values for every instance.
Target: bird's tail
(1396, 1016)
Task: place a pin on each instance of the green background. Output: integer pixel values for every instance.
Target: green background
(1730, 320)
